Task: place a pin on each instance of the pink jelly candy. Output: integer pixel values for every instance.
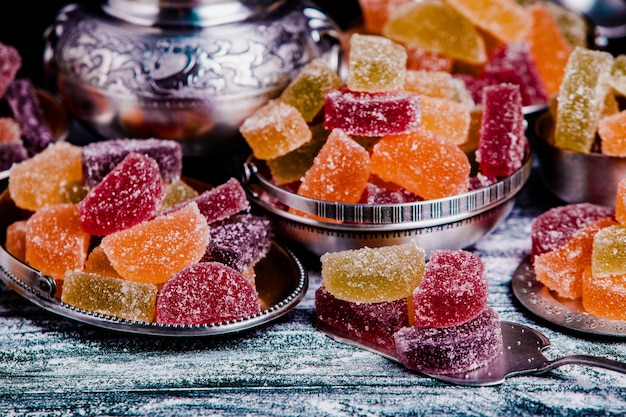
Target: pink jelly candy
(206, 292)
(99, 158)
(371, 114)
(502, 144)
(219, 202)
(10, 63)
(20, 95)
(451, 350)
(553, 228)
(513, 63)
(452, 291)
(374, 322)
(128, 195)
(239, 241)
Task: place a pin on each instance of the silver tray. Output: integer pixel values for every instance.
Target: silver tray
(281, 281)
(569, 314)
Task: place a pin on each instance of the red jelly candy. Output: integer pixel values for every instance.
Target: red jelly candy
(371, 114)
(206, 292)
(374, 322)
(10, 63)
(453, 290)
(128, 195)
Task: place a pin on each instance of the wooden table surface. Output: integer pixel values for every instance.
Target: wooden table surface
(53, 366)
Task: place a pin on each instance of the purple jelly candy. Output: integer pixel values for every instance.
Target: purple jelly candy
(453, 289)
(10, 64)
(20, 95)
(206, 292)
(375, 194)
(239, 241)
(553, 228)
(220, 202)
(99, 158)
(130, 194)
(371, 114)
(513, 63)
(374, 322)
(451, 350)
(11, 153)
(502, 143)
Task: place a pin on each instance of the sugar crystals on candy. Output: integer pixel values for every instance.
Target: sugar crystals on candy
(375, 64)
(609, 252)
(10, 64)
(604, 296)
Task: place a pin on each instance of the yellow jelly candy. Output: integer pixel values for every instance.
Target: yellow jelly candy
(620, 202)
(373, 275)
(445, 118)
(436, 26)
(375, 64)
(429, 83)
(153, 251)
(110, 296)
(618, 75)
(37, 181)
(612, 132)
(177, 191)
(609, 252)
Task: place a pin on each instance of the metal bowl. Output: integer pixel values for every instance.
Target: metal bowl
(186, 71)
(576, 177)
(448, 223)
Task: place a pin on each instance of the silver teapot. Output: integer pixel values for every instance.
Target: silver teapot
(186, 70)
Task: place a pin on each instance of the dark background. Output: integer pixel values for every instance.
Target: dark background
(24, 23)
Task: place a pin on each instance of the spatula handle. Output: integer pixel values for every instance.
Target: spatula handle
(588, 360)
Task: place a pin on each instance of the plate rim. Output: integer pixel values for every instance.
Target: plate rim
(540, 301)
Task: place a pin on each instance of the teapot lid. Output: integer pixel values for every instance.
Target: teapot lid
(188, 12)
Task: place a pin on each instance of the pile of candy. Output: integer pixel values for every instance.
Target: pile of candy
(433, 314)
(579, 253)
(124, 235)
(389, 134)
(23, 130)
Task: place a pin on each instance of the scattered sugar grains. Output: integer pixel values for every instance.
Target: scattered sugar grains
(153, 251)
(373, 275)
(452, 291)
(36, 182)
(132, 190)
(451, 350)
(206, 292)
(109, 295)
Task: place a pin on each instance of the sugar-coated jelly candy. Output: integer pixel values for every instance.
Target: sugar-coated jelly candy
(554, 227)
(618, 75)
(275, 129)
(110, 296)
(239, 241)
(371, 114)
(548, 46)
(561, 269)
(605, 296)
(453, 289)
(429, 83)
(98, 263)
(620, 202)
(574, 26)
(374, 322)
(373, 275)
(611, 130)
(130, 194)
(513, 63)
(10, 64)
(505, 20)
(451, 350)
(418, 58)
(100, 158)
(153, 251)
(581, 99)
(292, 166)
(15, 241)
(503, 143)
(375, 64)
(425, 164)
(206, 292)
(445, 118)
(177, 191)
(10, 130)
(35, 182)
(376, 12)
(21, 97)
(380, 194)
(608, 256)
(12, 153)
(55, 241)
(435, 26)
(306, 91)
(72, 192)
(219, 202)
(339, 172)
